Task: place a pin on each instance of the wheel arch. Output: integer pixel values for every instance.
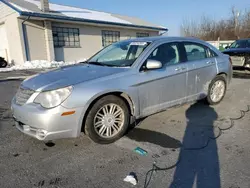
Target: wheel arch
(121, 94)
(222, 73)
(227, 78)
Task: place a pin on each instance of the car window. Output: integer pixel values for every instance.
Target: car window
(239, 44)
(129, 53)
(114, 54)
(120, 54)
(195, 51)
(211, 53)
(167, 54)
(248, 43)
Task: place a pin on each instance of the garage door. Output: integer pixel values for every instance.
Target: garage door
(3, 42)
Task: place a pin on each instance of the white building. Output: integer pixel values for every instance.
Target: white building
(39, 30)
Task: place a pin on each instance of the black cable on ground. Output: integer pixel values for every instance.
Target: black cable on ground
(156, 168)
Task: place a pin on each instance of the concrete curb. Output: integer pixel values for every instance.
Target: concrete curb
(14, 78)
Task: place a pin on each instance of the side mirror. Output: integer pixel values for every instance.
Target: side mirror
(226, 47)
(153, 64)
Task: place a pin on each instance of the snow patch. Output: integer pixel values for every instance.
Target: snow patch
(80, 13)
(39, 64)
(19, 8)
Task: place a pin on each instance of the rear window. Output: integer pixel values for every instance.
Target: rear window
(241, 44)
(195, 51)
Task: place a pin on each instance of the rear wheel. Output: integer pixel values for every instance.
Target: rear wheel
(108, 120)
(217, 90)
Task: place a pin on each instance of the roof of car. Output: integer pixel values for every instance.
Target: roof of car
(166, 38)
(243, 39)
(172, 39)
(64, 12)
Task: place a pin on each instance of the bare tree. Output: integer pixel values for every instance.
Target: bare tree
(189, 28)
(236, 26)
(235, 18)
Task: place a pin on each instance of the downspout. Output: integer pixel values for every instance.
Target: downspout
(25, 38)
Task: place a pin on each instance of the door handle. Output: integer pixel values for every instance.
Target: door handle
(183, 68)
(210, 62)
(180, 69)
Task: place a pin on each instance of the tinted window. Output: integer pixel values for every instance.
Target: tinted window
(195, 51)
(239, 44)
(167, 54)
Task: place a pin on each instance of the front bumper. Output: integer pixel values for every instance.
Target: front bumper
(46, 124)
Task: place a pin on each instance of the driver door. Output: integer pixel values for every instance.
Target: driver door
(165, 87)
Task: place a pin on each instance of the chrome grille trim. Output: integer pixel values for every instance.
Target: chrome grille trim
(23, 95)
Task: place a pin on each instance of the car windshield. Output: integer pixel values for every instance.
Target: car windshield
(120, 54)
(240, 44)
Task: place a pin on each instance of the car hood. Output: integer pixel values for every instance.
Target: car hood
(236, 50)
(68, 75)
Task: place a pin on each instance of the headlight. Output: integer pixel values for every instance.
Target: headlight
(51, 99)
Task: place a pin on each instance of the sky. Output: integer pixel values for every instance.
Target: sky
(166, 13)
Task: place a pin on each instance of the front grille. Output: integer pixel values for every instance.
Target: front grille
(23, 95)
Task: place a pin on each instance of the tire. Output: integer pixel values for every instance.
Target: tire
(210, 100)
(95, 132)
(3, 63)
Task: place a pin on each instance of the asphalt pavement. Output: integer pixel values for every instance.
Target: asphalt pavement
(19, 74)
(186, 135)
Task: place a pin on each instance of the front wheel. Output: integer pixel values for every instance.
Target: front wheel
(217, 90)
(108, 120)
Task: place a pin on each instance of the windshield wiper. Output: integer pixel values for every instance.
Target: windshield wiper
(100, 64)
(83, 62)
(96, 63)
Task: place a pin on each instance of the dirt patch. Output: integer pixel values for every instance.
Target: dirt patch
(5, 113)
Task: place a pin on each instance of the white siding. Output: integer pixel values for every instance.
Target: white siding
(15, 39)
(49, 44)
(5, 11)
(8, 17)
(36, 46)
(3, 42)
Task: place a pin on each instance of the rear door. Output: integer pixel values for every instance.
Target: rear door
(202, 69)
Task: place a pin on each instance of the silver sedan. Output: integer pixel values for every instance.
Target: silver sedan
(125, 81)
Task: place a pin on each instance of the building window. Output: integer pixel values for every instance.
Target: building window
(109, 37)
(139, 35)
(66, 37)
